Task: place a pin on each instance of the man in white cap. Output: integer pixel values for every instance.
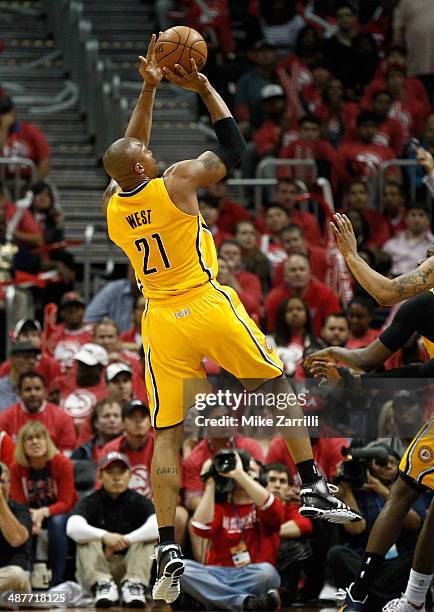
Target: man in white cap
(80, 390)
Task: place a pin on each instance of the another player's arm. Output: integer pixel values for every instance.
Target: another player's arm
(365, 359)
(385, 290)
(184, 178)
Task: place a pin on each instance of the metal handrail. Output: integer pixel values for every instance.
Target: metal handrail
(18, 163)
(9, 311)
(274, 161)
(400, 163)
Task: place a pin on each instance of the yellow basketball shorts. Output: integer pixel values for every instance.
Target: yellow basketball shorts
(178, 332)
(417, 463)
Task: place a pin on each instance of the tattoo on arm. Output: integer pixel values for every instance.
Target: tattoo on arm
(413, 283)
(167, 470)
(210, 162)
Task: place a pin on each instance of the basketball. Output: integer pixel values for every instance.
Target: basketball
(178, 45)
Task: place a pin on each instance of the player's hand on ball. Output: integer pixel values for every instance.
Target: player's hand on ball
(193, 81)
(344, 234)
(149, 70)
(425, 159)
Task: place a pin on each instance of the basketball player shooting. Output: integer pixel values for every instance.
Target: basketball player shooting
(188, 315)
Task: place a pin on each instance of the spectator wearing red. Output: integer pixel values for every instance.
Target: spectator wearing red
(360, 313)
(363, 149)
(33, 406)
(7, 447)
(105, 425)
(358, 201)
(43, 479)
(72, 333)
(230, 213)
(335, 113)
(27, 233)
(209, 209)
(294, 243)
(137, 443)
(23, 358)
(326, 453)
(276, 218)
(227, 278)
(107, 335)
(248, 283)
(389, 131)
(394, 208)
(239, 571)
(414, 88)
(29, 330)
(22, 139)
(80, 389)
(254, 261)
(285, 194)
(298, 281)
(206, 449)
(310, 146)
(410, 112)
(132, 338)
(311, 95)
(277, 128)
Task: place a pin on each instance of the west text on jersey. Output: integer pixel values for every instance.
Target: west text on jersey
(139, 218)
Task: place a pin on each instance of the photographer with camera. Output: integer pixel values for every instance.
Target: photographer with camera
(366, 480)
(241, 527)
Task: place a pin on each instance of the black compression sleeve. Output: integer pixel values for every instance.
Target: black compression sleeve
(231, 142)
(407, 321)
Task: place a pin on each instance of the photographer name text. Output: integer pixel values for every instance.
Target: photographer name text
(279, 420)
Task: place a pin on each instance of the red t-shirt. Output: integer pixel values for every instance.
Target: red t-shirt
(319, 298)
(378, 226)
(132, 336)
(414, 90)
(26, 141)
(328, 163)
(389, 134)
(370, 336)
(7, 447)
(354, 154)
(47, 366)
(192, 484)
(57, 486)
(231, 214)
(305, 220)
(318, 264)
(243, 522)
(78, 402)
(140, 461)
(326, 453)
(291, 513)
(27, 223)
(68, 342)
(60, 425)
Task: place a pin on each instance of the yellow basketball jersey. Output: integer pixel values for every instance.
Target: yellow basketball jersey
(170, 250)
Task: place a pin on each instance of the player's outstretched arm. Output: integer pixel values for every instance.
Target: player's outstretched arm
(385, 290)
(211, 166)
(367, 358)
(140, 123)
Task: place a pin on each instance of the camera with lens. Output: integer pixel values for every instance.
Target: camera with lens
(223, 462)
(354, 470)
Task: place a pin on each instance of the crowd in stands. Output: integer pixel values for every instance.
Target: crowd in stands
(348, 85)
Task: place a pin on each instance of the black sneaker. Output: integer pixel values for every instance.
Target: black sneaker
(187, 602)
(270, 601)
(170, 568)
(317, 501)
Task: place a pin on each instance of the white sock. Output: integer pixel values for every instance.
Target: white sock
(417, 587)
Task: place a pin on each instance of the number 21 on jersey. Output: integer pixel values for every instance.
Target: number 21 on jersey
(143, 245)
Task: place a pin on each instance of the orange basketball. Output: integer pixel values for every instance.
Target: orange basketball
(178, 45)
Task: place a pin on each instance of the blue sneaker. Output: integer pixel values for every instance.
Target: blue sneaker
(352, 605)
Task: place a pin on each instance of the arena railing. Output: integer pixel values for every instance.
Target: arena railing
(9, 314)
(88, 273)
(14, 182)
(411, 165)
(105, 111)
